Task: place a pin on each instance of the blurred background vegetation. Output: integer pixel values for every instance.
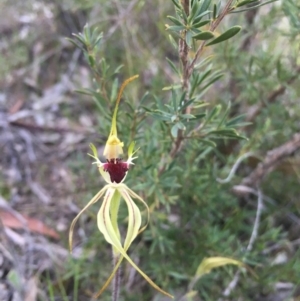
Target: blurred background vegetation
(46, 176)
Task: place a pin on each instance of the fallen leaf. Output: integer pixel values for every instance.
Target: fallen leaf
(10, 220)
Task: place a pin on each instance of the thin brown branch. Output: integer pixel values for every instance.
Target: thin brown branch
(186, 6)
(273, 158)
(183, 49)
(35, 127)
(254, 111)
(233, 283)
(188, 69)
(213, 27)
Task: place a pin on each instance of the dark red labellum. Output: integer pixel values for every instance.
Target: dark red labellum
(116, 169)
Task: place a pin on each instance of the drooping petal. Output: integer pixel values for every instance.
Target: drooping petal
(114, 210)
(122, 251)
(111, 203)
(134, 219)
(110, 278)
(106, 227)
(104, 221)
(136, 196)
(134, 223)
(90, 203)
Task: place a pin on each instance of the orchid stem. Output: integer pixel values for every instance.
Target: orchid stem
(116, 280)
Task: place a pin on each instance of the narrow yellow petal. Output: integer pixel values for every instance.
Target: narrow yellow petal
(134, 195)
(113, 130)
(90, 203)
(134, 226)
(122, 251)
(114, 210)
(106, 228)
(134, 219)
(104, 221)
(110, 278)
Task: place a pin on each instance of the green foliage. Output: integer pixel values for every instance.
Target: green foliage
(185, 127)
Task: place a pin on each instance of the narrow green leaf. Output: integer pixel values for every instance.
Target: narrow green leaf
(174, 87)
(236, 120)
(76, 44)
(208, 142)
(224, 132)
(118, 69)
(114, 90)
(175, 21)
(205, 6)
(144, 97)
(214, 112)
(253, 7)
(204, 35)
(214, 79)
(186, 104)
(194, 10)
(178, 275)
(184, 15)
(226, 35)
(175, 28)
(199, 116)
(160, 117)
(84, 91)
(182, 98)
(203, 76)
(242, 3)
(187, 116)
(174, 68)
(215, 11)
(174, 101)
(173, 42)
(201, 15)
(201, 23)
(80, 38)
(225, 115)
(176, 3)
(188, 38)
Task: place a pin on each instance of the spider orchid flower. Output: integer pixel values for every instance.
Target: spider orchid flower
(114, 172)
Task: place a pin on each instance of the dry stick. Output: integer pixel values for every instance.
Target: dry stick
(273, 158)
(253, 238)
(272, 97)
(235, 167)
(188, 70)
